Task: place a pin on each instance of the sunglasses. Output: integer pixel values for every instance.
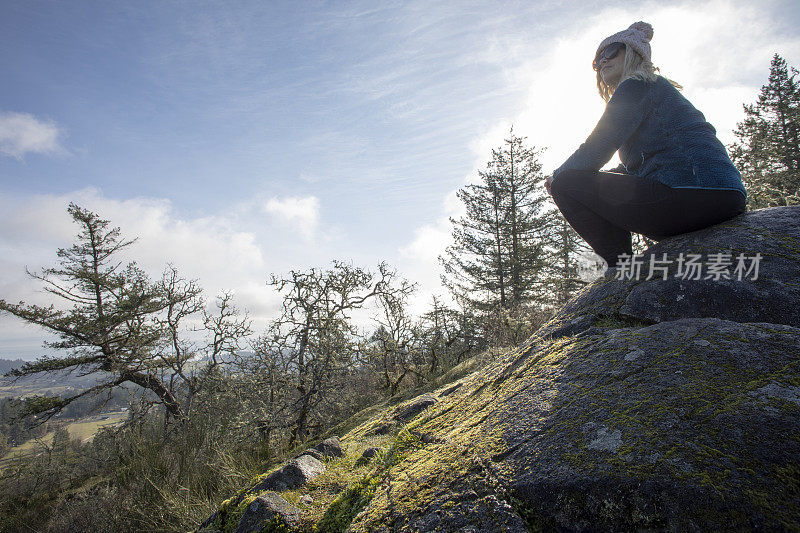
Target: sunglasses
(609, 52)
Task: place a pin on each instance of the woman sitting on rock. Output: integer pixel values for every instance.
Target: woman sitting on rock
(675, 176)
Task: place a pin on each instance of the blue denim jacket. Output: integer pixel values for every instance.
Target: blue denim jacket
(660, 135)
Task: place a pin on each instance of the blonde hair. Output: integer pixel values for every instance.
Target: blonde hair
(636, 67)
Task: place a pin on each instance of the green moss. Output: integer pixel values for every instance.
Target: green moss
(469, 425)
(228, 520)
(721, 389)
(788, 478)
(341, 512)
(231, 517)
(611, 513)
(276, 525)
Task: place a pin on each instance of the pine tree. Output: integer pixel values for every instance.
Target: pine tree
(518, 174)
(768, 148)
(498, 245)
(475, 262)
(121, 325)
(569, 248)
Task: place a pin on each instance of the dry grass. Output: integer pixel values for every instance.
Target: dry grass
(84, 430)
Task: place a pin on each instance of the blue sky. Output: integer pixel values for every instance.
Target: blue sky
(204, 103)
(238, 139)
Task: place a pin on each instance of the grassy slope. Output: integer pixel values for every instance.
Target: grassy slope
(346, 485)
(83, 429)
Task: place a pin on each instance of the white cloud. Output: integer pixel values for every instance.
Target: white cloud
(299, 213)
(422, 253)
(419, 259)
(719, 50)
(22, 133)
(212, 249)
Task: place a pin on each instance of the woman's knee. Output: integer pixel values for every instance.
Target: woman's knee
(560, 192)
(555, 186)
(563, 182)
(563, 177)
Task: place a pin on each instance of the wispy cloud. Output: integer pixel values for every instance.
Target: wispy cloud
(22, 133)
(300, 213)
(721, 67)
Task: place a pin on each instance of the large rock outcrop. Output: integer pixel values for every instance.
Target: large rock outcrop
(665, 404)
(644, 404)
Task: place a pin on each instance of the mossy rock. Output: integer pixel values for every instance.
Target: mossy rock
(661, 404)
(772, 296)
(684, 425)
(642, 405)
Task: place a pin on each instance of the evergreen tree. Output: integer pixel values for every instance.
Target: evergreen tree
(768, 148)
(476, 262)
(519, 176)
(121, 325)
(498, 251)
(566, 264)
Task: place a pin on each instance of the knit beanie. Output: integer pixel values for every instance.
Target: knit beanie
(637, 37)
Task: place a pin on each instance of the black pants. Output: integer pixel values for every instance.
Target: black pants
(605, 207)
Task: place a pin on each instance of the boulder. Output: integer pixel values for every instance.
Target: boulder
(662, 404)
(269, 509)
(207, 522)
(295, 473)
(371, 452)
(382, 429)
(681, 425)
(450, 390)
(316, 454)
(772, 297)
(412, 408)
(368, 454)
(330, 447)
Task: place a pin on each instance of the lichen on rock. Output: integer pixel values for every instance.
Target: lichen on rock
(630, 409)
(660, 404)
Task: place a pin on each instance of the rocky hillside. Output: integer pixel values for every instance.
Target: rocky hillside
(668, 403)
